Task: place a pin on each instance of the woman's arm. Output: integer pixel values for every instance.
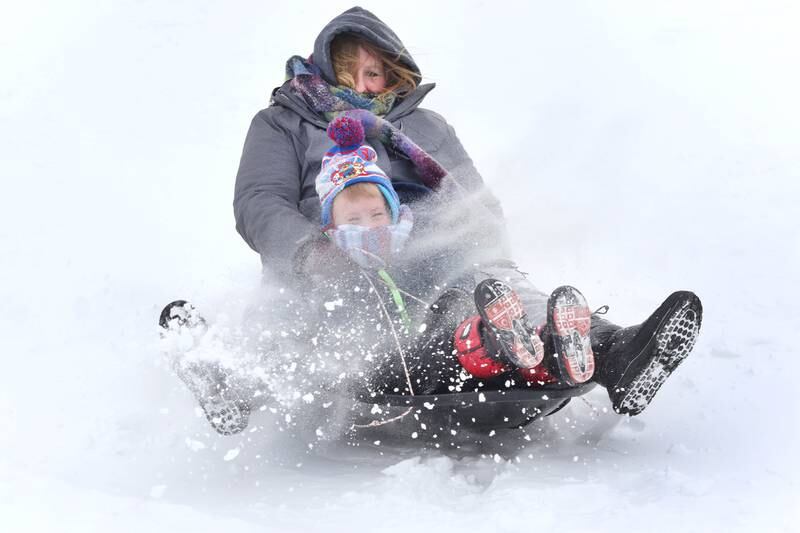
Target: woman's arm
(471, 211)
(465, 172)
(267, 194)
(431, 131)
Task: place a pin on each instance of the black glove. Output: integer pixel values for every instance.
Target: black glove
(319, 260)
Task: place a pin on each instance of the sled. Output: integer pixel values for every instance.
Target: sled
(480, 410)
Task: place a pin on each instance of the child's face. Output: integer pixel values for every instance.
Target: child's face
(367, 211)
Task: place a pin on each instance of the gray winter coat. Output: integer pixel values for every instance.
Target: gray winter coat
(275, 202)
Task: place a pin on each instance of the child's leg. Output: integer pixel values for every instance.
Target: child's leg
(501, 339)
(487, 350)
(421, 361)
(434, 354)
(563, 324)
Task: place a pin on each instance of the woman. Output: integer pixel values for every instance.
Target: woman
(359, 63)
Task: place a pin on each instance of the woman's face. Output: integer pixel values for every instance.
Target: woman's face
(369, 76)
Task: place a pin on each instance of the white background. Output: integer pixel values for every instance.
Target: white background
(637, 147)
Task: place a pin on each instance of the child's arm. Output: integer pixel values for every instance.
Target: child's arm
(318, 261)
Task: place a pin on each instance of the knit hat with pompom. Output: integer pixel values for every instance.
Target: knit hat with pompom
(351, 161)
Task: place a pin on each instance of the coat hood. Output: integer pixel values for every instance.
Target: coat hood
(360, 21)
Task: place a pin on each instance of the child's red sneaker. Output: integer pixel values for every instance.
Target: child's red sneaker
(569, 320)
(507, 329)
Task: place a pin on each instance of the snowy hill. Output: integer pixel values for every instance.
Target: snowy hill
(637, 149)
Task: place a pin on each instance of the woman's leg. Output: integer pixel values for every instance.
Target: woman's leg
(634, 362)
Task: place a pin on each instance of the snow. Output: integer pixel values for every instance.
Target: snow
(230, 455)
(652, 147)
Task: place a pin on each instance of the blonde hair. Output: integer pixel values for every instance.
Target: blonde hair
(362, 189)
(344, 54)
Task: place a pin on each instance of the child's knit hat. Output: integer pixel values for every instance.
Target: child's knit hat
(351, 161)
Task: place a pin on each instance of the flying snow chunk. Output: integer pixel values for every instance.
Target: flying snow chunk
(428, 405)
(157, 491)
(308, 398)
(332, 305)
(231, 455)
(481, 397)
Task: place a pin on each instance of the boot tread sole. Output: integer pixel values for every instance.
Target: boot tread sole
(674, 341)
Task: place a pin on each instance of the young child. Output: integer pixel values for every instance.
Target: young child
(362, 215)
(493, 335)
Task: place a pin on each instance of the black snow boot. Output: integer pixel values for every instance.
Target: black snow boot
(180, 316)
(225, 408)
(634, 362)
(212, 386)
